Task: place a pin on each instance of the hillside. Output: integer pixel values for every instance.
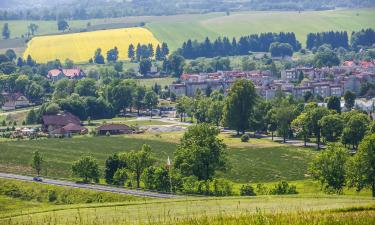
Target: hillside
(257, 161)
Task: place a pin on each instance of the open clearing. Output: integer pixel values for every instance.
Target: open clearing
(80, 47)
(172, 210)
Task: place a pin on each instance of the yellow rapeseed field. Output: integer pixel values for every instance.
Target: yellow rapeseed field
(80, 47)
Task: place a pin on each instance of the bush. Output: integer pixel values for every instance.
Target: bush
(189, 184)
(262, 190)
(107, 134)
(283, 188)
(245, 138)
(222, 187)
(247, 190)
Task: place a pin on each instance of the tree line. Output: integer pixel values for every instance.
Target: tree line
(337, 39)
(223, 46)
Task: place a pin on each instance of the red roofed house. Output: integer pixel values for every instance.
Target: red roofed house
(14, 101)
(114, 129)
(53, 122)
(69, 129)
(57, 74)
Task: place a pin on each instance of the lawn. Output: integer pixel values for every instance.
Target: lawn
(176, 211)
(165, 81)
(256, 161)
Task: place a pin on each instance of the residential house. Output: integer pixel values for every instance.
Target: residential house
(14, 101)
(114, 129)
(69, 129)
(53, 122)
(57, 74)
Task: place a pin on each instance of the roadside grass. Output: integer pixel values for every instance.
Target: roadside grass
(249, 162)
(186, 211)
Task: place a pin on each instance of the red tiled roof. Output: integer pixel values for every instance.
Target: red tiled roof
(107, 127)
(73, 127)
(62, 119)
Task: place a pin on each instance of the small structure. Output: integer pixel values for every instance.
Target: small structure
(114, 129)
(14, 101)
(54, 122)
(69, 130)
(57, 74)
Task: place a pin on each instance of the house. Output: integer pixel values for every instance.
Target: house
(69, 129)
(14, 101)
(114, 129)
(53, 122)
(57, 74)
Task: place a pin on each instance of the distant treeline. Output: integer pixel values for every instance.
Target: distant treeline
(364, 37)
(225, 47)
(281, 44)
(79, 9)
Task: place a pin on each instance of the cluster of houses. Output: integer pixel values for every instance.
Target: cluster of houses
(67, 124)
(17, 100)
(324, 82)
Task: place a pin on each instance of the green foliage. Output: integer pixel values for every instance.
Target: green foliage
(86, 168)
(221, 187)
(333, 103)
(355, 129)
(120, 177)
(361, 171)
(30, 191)
(98, 57)
(112, 55)
(329, 168)
(86, 87)
(37, 162)
(349, 98)
(326, 57)
(239, 105)
(137, 161)
(247, 190)
(331, 126)
(201, 153)
(278, 49)
(283, 188)
(245, 138)
(112, 164)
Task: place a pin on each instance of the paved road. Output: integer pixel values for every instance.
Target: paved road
(91, 186)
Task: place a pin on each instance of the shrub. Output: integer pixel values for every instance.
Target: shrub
(189, 184)
(262, 190)
(283, 188)
(107, 134)
(222, 187)
(52, 196)
(245, 138)
(247, 190)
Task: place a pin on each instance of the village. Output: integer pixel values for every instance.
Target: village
(298, 82)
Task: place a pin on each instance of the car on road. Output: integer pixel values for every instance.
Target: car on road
(37, 179)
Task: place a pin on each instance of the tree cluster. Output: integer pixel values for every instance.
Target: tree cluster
(245, 44)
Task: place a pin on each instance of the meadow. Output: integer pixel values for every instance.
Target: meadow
(80, 47)
(257, 161)
(207, 211)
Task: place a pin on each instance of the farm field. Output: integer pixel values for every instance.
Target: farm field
(80, 47)
(261, 161)
(188, 209)
(178, 28)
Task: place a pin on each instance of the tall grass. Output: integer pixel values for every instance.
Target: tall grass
(365, 217)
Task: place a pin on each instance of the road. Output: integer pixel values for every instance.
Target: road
(91, 187)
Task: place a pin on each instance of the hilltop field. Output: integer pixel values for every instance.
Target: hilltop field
(174, 30)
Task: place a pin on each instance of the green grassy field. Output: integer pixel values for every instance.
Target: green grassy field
(176, 211)
(178, 28)
(257, 161)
